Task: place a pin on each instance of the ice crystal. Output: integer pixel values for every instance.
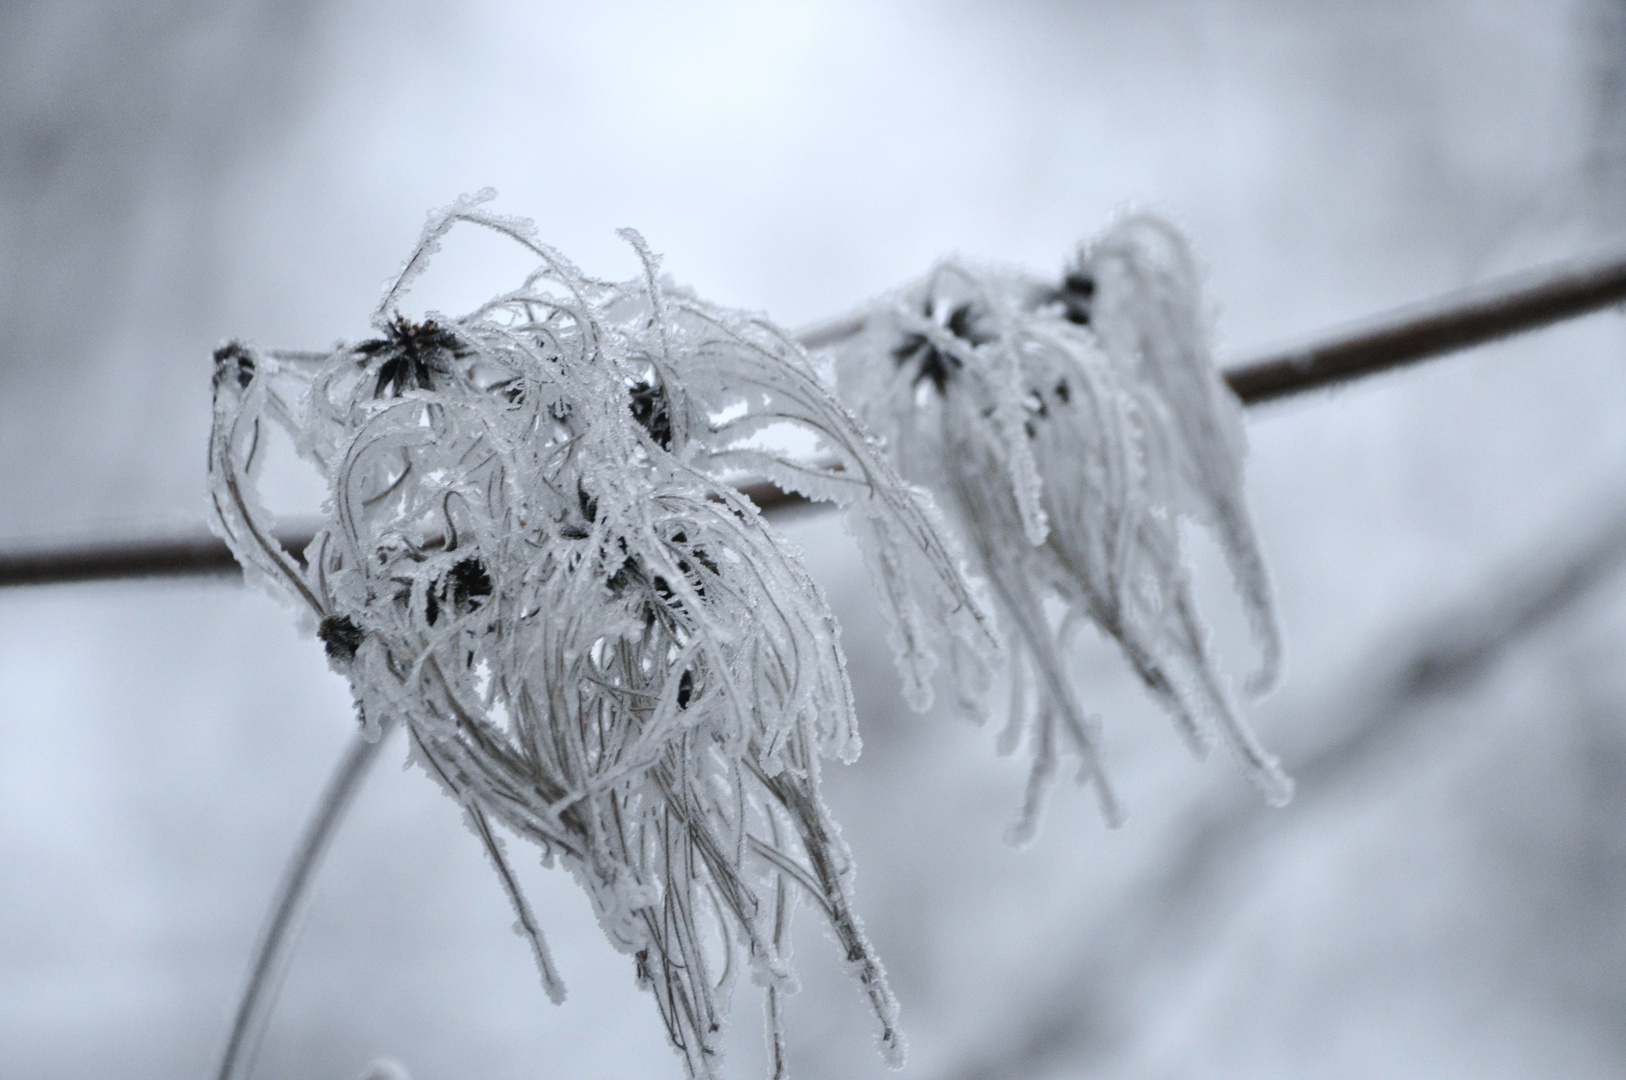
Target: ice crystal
(1068, 428)
(531, 562)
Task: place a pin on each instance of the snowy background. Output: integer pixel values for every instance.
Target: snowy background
(1446, 898)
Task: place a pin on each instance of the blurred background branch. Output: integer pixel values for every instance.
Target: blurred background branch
(1215, 852)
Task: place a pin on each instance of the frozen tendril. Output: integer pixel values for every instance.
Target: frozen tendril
(1149, 313)
(1067, 429)
(532, 562)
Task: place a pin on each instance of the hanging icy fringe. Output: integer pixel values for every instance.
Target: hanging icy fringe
(1148, 312)
(530, 562)
(1068, 429)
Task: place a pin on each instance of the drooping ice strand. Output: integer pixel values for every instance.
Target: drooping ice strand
(532, 563)
(1068, 427)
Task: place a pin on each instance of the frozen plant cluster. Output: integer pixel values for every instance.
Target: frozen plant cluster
(1068, 428)
(532, 560)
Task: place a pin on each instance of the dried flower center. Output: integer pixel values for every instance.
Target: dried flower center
(931, 363)
(411, 356)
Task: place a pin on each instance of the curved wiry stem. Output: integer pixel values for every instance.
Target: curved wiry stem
(260, 991)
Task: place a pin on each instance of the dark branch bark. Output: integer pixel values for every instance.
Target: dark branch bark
(1501, 307)
(186, 556)
(1496, 309)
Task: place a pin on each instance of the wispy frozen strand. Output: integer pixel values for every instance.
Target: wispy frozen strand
(1147, 310)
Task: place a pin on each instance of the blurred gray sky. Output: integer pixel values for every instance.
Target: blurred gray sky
(174, 174)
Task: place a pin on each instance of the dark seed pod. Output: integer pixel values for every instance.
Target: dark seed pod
(650, 409)
(1077, 296)
(414, 356)
(932, 364)
(341, 637)
(232, 359)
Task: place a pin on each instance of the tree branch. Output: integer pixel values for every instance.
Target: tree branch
(1513, 304)
(1498, 308)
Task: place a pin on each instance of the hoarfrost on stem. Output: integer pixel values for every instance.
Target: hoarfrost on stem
(530, 560)
(1068, 428)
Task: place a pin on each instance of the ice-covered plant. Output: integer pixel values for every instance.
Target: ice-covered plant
(531, 560)
(1068, 428)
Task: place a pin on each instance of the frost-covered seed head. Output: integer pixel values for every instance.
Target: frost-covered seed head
(532, 562)
(1068, 428)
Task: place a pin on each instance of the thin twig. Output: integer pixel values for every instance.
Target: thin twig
(1503, 306)
(187, 556)
(1498, 308)
(260, 990)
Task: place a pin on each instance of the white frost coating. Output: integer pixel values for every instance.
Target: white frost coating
(1068, 429)
(530, 561)
(1146, 309)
